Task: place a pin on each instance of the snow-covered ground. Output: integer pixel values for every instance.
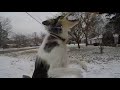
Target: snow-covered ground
(14, 65)
(107, 65)
(8, 50)
(1, 49)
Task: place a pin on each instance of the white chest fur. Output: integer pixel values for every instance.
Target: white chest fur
(57, 57)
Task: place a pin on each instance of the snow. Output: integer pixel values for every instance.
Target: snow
(106, 65)
(14, 66)
(110, 70)
(9, 49)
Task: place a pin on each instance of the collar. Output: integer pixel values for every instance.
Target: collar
(55, 35)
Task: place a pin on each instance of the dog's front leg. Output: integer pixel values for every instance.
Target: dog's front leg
(41, 68)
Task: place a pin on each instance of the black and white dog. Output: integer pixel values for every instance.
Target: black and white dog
(51, 59)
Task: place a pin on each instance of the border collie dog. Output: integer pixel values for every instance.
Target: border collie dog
(51, 60)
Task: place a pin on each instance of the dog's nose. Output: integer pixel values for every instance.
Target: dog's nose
(46, 23)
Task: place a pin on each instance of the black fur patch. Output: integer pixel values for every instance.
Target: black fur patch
(50, 45)
(41, 68)
(51, 22)
(56, 30)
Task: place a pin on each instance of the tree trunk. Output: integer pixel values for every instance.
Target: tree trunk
(78, 42)
(86, 40)
(101, 48)
(78, 45)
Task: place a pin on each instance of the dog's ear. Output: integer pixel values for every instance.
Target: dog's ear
(47, 22)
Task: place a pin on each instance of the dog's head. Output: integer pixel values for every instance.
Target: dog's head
(52, 25)
(60, 25)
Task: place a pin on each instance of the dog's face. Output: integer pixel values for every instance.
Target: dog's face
(60, 26)
(52, 25)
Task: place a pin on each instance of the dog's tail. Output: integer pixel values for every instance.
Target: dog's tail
(41, 68)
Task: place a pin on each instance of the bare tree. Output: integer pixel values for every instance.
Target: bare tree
(16, 40)
(20, 40)
(5, 28)
(27, 40)
(36, 39)
(100, 30)
(5, 22)
(87, 21)
(86, 25)
(77, 34)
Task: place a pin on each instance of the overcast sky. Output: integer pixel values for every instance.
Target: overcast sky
(22, 23)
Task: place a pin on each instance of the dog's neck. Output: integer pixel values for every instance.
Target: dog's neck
(57, 36)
